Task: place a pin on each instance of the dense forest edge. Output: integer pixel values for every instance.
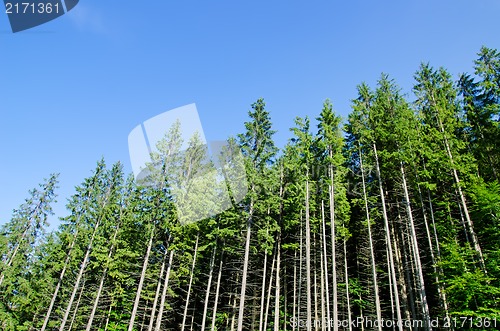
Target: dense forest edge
(387, 220)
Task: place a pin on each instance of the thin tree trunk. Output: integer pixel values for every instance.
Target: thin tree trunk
(79, 277)
(418, 264)
(190, 283)
(301, 258)
(164, 293)
(277, 285)
(217, 289)
(207, 292)
(475, 240)
(294, 305)
(308, 259)
(268, 302)
(438, 251)
(325, 264)
(402, 263)
(278, 260)
(389, 243)
(372, 250)
(141, 280)
(59, 282)
(245, 268)
(322, 286)
(157, 293)
(349, 317)
(76, 307)
(233, 319)
(391, 291)
(315, 277)
(108, 315)
(331, 193)
(263, 290)
(101, 283)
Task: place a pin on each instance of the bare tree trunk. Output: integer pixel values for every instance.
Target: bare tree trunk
(79, 277)
(402, 263)
(322, 285)
(438, 251)
(389, 242)
(245, 268)
(391, 291)
(141, 280)
(315, 277)
(190, 283)
(294, 306)
(325, 264)
(59, 282)
(372, 250)
(308, 259)
(349, 318)
(263, 291)
(475, 240)
(192, 323)
(209, 285)
(217, 289)
(331, 193)
(418, 264)
(233, 319)
(101, 283)
(269, 292)
(76, 307)
(108, 316)
(157, 293)
(164, 293)
(277, 285)
(301, 258)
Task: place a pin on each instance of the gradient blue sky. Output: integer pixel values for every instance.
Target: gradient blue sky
(71, 90)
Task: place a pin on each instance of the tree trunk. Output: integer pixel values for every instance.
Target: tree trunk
(269, 292)
(418, 264)
(79, 277)
(157, 293)
(475, 240)
(263, 290)
(331, 194)
(277, 285)
(76, 307)
(389, 242)
(101, 283)
(308, 259)
(438, 251)
(294, 305)
(207, 292)
(59, 282)
(164, 293)
(372, 250)
(141, 280)
(190, 283)
(325, 265)
(245, 269)
(217, 289)
(349, 318)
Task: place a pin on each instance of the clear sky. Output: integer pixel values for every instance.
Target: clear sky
(71, 90)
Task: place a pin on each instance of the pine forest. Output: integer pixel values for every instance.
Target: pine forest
(388, 219)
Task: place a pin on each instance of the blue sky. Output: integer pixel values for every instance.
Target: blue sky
(71, 90)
